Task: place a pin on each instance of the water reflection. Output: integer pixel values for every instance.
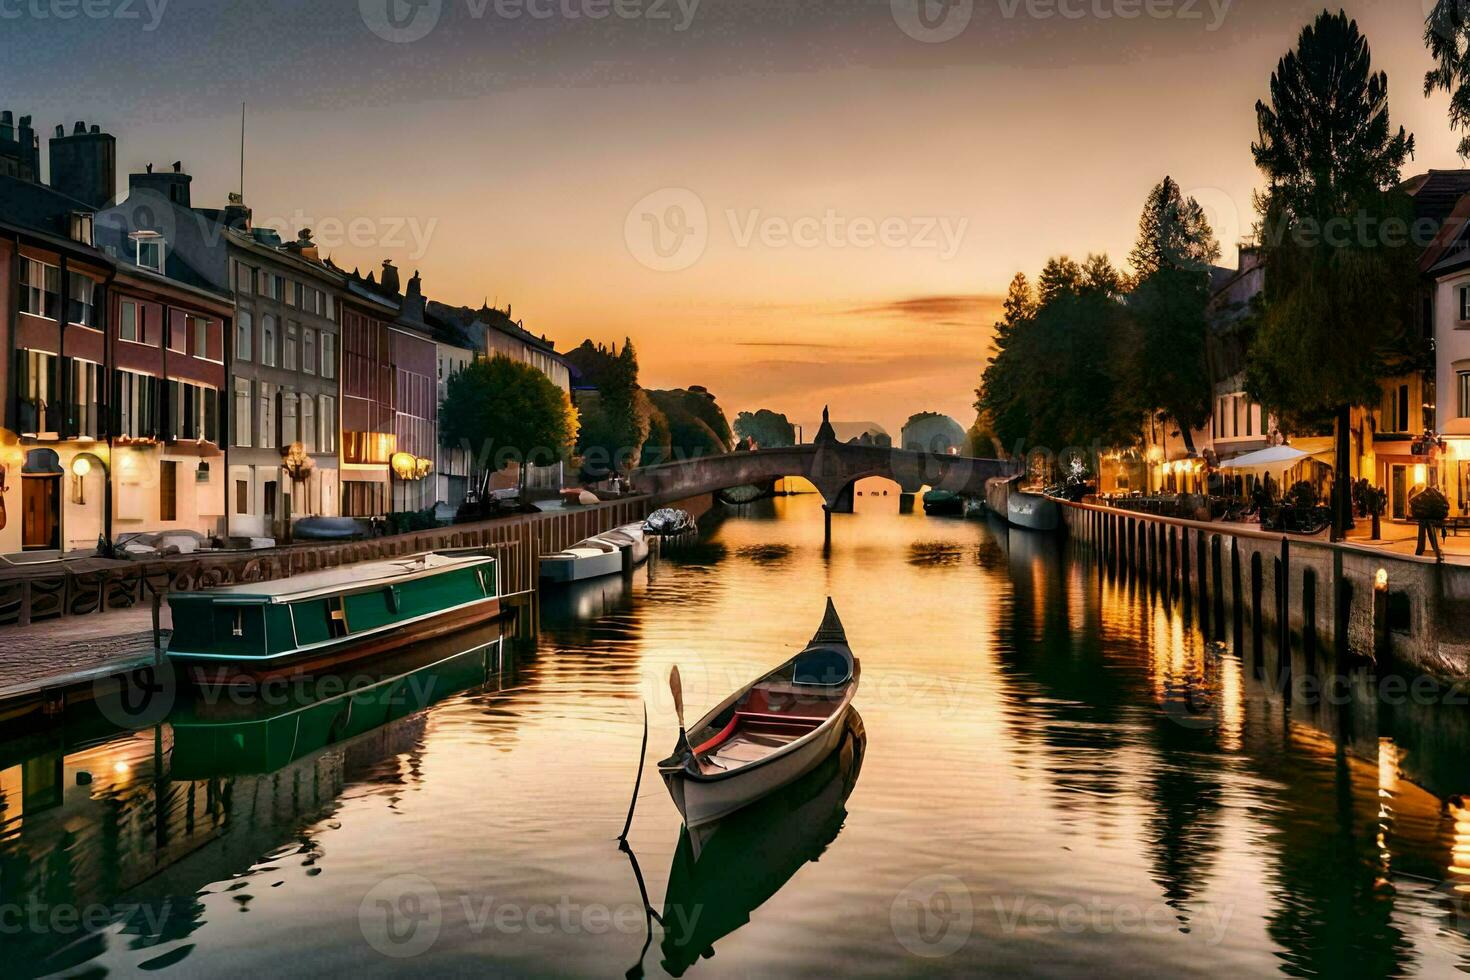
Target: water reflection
(723, 873)
(1049, 733)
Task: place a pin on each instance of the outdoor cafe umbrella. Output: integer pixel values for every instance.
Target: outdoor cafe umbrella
(1275, 458)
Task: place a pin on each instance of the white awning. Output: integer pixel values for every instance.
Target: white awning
(1283, 457)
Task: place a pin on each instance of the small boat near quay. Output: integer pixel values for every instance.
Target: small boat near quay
(669, 522)
(243, 634)
(599, 555)
(767, 734)
(945, 502)
(1033, 510)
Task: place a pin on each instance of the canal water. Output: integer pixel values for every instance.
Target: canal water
(1053, 775)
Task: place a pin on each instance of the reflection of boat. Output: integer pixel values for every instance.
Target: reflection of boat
(312, 622)
(1033, 510)
(943, 502)
(723, 873)
(597, 556)
(224, 737)
(767, 734)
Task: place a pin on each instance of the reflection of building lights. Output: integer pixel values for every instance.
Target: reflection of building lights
(122, 768)
(81, 466)
(1380, 581)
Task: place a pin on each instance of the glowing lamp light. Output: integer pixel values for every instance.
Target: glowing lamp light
(121, 768)
(405, 465)
(81, 466)
(1420, 473)
(1380, 581)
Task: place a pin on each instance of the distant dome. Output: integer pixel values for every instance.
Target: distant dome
(930, 432)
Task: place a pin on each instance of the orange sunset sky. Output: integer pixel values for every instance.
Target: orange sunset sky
(505, 157)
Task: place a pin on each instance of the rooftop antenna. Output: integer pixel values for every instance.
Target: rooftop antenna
(242, 152)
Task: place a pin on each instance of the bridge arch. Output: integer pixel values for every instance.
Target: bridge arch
(833, 468)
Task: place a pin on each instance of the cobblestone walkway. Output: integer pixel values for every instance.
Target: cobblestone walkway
(54, 648)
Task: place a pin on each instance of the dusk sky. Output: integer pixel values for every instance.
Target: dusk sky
(865, 195)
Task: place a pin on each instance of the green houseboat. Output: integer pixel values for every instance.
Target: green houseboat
(242, 634)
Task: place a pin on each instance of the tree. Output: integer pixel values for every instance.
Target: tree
(512, 411)
(1001, 395)
(1168, 370)
(613, 425)
(695, 423)
(1338, 292)
(767, 428)
(1055, 377)
(1447, 36)
(1173, 233)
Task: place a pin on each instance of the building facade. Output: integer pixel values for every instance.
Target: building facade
(369, 407)
(285, 386)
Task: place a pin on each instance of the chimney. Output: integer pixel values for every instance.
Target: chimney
(173, 186)
(20, 148)
(390, 277)
(84, 165)
(237, 215)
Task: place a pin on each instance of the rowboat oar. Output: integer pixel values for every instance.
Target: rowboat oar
(677, 688)
(637, 783)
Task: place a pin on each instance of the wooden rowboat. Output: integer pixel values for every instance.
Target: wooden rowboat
(767, 734)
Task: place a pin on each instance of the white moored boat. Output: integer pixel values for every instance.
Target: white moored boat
(599, 555)
(1033, 510)
(767, 734)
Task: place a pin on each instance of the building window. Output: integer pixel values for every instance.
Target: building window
(244, 329)
(308, 424)
(244, 278)
(199, 330)
(327, 423)
(267, 424)
(288, 348)
(38, 386)
(290, 428)
(1464, 377)
(243, 413)
(138, 402)
(127, 327)
(84, 412)
(149, 250)
(268, 340)
(275, 287)
(308, 350)
(178, 334)
(40, 289)
(81, 308)
(242, 496)
(1465, 304)
(329, 355)
(82, 226)
(309, 300)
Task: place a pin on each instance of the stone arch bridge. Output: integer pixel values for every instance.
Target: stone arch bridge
(832, 467)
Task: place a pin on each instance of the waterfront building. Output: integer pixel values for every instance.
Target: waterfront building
(369, 415)
(114, 365)
(282, 393)
(1447, 265)
(454, 350)
(285, 387)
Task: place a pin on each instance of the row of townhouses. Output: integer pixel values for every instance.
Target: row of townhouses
(1418, 435)
(176, 368)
